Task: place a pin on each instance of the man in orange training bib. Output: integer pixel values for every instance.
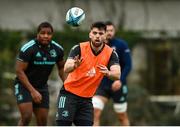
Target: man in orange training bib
(87, 63)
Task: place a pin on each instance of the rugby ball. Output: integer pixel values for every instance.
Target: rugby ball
(75, 16)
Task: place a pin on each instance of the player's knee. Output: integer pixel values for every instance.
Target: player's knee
(97, 103)
(123, 118)
(26, 118)
(120, 108)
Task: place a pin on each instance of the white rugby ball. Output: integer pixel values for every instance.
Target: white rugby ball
(75, 16)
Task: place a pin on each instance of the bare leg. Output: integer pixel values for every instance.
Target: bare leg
(26, 113)
(41, 116)
(97, 114)
(123, 118)
(98, 105)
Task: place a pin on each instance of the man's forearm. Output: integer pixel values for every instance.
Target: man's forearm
(114, 72)
(69, 67)
(114, 75)
(62, 74)
(25, 82)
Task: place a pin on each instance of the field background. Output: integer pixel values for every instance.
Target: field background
(151, 29)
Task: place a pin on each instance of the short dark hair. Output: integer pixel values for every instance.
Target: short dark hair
(44, 25)
(109, 23)
(99, 25)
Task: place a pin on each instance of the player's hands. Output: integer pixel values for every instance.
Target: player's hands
(37, 98)
(116, 85)
(103, 69)
(77, 61)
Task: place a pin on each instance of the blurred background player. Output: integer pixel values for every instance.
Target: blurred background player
(86, 66)
(33, 67)
(117, 90)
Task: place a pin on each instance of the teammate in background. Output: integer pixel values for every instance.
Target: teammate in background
(117, 90)
(33, 67)
(87, 63)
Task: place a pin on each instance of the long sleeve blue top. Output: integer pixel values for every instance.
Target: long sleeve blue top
(124, 54)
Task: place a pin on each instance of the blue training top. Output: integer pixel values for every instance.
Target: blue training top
(123, 52)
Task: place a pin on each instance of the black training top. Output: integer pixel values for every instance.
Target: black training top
(40, 61)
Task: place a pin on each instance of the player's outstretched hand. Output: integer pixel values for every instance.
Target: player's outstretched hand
(103, 69)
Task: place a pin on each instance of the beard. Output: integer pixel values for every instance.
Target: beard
(97, 44)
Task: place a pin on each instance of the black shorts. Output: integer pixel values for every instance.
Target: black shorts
(73, 108)
(105, 90)
(23, 95)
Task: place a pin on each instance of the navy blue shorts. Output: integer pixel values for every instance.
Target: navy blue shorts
(74, 108)
(23, 95)
(105, 90)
